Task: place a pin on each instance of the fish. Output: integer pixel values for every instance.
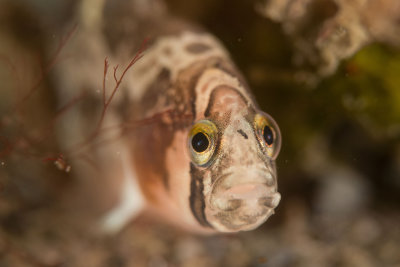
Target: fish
(205, 159)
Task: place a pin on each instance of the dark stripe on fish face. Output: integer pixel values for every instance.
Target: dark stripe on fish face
(197, 201)
(242, 133)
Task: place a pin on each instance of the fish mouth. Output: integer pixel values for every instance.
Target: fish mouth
(239, 202)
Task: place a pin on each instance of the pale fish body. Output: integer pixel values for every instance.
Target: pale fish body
(208, 162)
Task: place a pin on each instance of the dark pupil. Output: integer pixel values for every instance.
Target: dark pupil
(200, 142)
(268, 135)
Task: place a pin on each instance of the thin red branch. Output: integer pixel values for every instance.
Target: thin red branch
(53, 158)
(107, 102)
(12, 68)
(26, 143)
(115, 74)
(60, 162)
(158, 117)
(48, 67)
(47, 130)
(170, 114)
(22, 141)
(104, 79)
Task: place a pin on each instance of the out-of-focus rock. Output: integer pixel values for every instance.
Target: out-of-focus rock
(325, 32)
(188, 249)
(342, 192)
(365, 231)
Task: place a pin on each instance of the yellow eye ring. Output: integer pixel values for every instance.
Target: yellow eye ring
(268, 134)
(202, 142)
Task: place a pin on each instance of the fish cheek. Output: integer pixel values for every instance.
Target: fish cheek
(151, 144)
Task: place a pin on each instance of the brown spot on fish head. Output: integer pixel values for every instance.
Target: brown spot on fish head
(197, 48)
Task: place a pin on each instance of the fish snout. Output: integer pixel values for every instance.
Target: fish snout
(238, 204)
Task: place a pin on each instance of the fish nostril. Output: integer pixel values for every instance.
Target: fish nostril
(234, 204)
(269, 179)
(227, 204)
(271, 201)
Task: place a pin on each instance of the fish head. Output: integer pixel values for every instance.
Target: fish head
(232, 149)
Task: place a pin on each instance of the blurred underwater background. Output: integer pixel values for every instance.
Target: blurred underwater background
(328, 71)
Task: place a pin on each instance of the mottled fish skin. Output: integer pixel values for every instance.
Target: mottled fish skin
(192, 74)
(188, 76)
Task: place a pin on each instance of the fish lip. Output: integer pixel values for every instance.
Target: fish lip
(267, 176)
(264, 177)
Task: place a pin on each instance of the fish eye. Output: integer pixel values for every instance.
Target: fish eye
(202, 141)
(268, 134)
